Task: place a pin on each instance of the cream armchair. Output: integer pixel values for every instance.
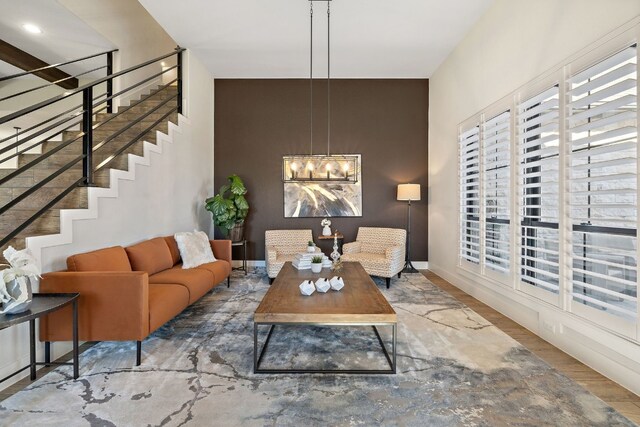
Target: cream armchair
(381, 251)
(281, 246)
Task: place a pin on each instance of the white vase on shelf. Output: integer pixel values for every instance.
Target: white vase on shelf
(326, 231)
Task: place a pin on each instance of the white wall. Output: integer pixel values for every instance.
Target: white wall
(155, 200)
(133, 31)
(512, 44)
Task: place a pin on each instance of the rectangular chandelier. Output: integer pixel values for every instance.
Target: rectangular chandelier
(322, 168)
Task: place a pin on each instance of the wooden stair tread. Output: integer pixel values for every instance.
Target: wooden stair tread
(105, 125)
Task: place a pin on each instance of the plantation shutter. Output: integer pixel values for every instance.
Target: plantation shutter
(602, 122)
(538, 147)
(469, 178)
(496, 174)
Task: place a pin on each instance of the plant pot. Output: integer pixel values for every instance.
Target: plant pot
(311, 249)
(326, 231)
(20, 292)
(236, 233)
(316, 267)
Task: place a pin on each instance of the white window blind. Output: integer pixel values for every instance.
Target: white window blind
(496, 174)
(602, 123)
(538, 189)
(469, 178)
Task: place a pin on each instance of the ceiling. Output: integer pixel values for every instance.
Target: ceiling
(270, 39)
(64, 36)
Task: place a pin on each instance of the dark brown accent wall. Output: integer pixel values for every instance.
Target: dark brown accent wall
(257, 121)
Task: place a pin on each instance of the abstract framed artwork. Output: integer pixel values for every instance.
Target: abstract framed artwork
(319, 199)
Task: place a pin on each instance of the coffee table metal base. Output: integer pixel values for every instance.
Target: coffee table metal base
(258, 355)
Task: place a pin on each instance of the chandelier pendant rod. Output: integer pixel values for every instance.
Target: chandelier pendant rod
(311, 78)
(328, 77)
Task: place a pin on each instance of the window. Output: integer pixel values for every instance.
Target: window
(470, 195)
(573, 194)
(538, 148)
(602, 115)
(496, 175)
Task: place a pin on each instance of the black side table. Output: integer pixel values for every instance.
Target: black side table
(243, 244)
(43, 304)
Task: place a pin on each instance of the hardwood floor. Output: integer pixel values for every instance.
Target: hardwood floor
(624, 401)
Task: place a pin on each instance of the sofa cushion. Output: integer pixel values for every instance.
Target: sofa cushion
(197, 281)
(107, 259)
(220, 269)
(365, 257)
(284, 258)
(166, 301)
(173, 248)
(151, 256)
(373, 248)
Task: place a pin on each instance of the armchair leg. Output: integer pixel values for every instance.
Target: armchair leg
(138, 353)
(388, 282)
(399, 274)
(271, 279)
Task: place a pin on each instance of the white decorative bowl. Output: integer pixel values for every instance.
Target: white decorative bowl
(307, 287)
(322, 285)
(336, 283)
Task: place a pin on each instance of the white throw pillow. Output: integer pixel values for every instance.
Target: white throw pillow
(194, 248)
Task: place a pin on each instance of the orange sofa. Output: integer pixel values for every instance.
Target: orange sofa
(127, 293)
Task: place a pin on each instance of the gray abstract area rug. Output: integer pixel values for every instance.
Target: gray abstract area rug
(454, 369)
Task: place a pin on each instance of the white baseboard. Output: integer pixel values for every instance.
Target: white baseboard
(250, 263)
(420, 265)
(58, 350)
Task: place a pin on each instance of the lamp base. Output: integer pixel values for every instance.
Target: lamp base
(409, 268)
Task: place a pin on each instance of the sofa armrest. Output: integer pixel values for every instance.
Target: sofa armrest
(113, 306)
(351, 248)
(221, 249)
(271, 254)
(394, 253)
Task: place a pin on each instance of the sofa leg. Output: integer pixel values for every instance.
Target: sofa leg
(388, 282)
(228, 281)
(47, 352)
(138, 353)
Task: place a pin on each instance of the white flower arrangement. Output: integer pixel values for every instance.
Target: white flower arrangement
(15, 293)
(325, 222)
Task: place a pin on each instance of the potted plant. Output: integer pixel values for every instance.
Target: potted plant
(311, 247)
(229, 208)
(316, 264)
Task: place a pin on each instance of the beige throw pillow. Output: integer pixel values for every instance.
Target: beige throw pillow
(194, 248)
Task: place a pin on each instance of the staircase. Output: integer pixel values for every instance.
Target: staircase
(114, 137)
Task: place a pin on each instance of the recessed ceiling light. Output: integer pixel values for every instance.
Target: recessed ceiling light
(31, 28)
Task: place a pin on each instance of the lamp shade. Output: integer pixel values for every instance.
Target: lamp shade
(409, 192)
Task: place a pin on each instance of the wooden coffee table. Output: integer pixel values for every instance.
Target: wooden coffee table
(359, 303)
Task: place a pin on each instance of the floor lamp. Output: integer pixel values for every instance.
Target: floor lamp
(408, 193)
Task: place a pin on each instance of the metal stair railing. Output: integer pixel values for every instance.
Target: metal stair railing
(82, 114)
